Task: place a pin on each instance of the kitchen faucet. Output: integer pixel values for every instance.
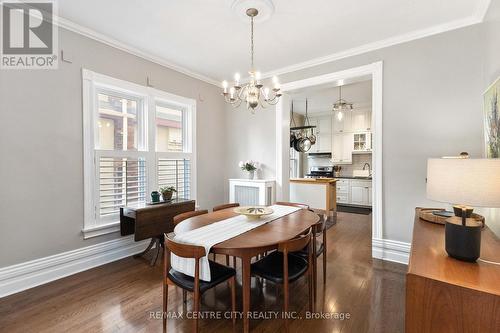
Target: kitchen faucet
(369, 168)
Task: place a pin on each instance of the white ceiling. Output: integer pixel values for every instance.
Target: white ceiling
(206, 37)
(320, 99)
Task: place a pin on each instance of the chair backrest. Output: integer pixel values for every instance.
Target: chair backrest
(183, 216)
(293, 204)
(184, 250)
(321, 225)
(225, 206)
(295, 244)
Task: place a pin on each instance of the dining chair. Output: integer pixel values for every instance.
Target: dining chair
(282, 267)
(221, 207)
(293, 204)
(219, 273)
(318, 248)
(225, 206)
(183, 216)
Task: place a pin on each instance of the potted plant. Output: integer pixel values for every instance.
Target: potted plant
(166, 192)
(250, 167)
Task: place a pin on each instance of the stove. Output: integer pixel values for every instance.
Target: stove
(320, 172)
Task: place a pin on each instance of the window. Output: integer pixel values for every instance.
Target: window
(136, 139)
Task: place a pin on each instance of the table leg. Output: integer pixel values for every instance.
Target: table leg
(246, 285)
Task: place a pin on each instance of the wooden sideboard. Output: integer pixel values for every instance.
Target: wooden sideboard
(447, 295)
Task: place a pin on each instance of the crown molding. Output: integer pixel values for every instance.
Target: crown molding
(482, 9)
(477, 17)
(84, 31)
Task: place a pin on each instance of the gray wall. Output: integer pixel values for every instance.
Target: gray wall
(41, 171)
(491, 73)
(432, 106)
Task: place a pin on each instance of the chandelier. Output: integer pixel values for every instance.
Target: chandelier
(341, 105)
(252, 93)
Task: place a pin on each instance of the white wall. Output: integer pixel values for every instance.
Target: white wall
(41, 148)
(431, 107)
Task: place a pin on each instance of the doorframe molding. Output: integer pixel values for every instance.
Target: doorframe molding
(373, 70)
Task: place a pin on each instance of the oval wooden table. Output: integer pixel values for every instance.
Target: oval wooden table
(251, 243)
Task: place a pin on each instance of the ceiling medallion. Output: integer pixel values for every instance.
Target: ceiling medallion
(252, 93)
(341, 105)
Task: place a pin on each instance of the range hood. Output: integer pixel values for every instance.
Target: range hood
(319, 155)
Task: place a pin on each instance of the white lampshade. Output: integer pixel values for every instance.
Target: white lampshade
(472, 182)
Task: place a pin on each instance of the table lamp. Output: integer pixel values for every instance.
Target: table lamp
(464, 182)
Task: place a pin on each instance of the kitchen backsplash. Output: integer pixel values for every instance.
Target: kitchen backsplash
(358, 161)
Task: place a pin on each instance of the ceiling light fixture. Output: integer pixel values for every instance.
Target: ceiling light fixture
(341, 105)
(254, 91)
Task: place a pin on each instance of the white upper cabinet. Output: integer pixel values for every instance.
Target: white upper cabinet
(342, 148)
(341, 122)
(362, 142)
(323, 134)
(324, 125)
(324, 144)
(357, 120)
(361, 120)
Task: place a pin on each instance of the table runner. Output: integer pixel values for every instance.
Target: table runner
(217, 232)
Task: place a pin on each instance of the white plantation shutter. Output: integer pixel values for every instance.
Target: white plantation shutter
(122, 182)
(176, 173)
(136, 139)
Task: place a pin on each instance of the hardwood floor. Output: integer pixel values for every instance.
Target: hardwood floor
(122, 296)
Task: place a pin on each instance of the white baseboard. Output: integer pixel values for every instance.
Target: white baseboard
(391, 250)
(33, 273)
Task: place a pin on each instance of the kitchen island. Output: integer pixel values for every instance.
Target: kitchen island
(319, 193)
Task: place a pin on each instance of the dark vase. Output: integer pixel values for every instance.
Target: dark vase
(155, 196)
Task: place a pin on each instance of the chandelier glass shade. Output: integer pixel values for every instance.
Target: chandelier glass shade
(341, 105)
(253, 93)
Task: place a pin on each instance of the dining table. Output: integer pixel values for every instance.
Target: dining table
(257, 241)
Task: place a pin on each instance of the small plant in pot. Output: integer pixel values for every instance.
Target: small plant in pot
(166, 192)
(250, 167)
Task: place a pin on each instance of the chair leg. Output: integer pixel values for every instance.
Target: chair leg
(233, 299)
(165, 302)
(324, 258)
(234, 262)
(311, 296)
(285, 302)
(184, 300)
(196, 309)
(315, 270)
(227, 260)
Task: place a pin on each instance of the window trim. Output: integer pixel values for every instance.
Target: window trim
(91, 83)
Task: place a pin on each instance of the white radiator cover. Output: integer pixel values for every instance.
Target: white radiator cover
(251, 192)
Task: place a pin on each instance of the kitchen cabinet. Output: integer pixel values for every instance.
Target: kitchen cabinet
(341, 124)
(323, 143)
(362, 142)
(361, 192)
(343, 188)
(323, 124)
(323, 134)
(361, 120)
(342, 148)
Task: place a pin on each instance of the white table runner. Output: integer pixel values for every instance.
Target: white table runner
(218, 232)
